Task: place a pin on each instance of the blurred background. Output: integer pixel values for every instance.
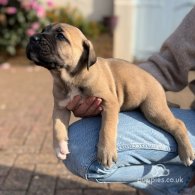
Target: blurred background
(127, 29)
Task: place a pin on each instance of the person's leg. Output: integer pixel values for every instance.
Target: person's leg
(145, 153)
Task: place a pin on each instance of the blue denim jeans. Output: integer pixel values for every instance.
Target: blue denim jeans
(147, 155)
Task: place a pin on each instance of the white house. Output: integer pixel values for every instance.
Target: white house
(143, 25)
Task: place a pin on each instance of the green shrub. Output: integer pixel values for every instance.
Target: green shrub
(19, 20)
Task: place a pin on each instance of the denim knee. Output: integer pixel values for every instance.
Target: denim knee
(83, 139)
(138, 142)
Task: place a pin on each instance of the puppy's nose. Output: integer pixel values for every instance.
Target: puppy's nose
(35, 39)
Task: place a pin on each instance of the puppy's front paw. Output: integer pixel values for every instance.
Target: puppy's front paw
(107, 155)
(62, 150)
(186, 155)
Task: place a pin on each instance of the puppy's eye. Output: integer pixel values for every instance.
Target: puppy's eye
(60, 36)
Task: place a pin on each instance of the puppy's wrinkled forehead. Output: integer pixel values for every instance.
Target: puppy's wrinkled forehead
(72, 34)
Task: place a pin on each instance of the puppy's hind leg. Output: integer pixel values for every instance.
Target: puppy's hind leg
(157, 112)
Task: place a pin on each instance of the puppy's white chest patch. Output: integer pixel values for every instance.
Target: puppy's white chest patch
(74, 91)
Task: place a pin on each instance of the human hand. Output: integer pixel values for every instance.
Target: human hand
(90, 106)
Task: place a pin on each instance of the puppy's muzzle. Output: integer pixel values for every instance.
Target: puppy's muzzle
(41, 50)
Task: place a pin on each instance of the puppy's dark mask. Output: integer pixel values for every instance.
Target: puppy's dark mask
(42, 50)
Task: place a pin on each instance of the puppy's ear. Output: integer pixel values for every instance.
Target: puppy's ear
(87, 58)
(90, 56)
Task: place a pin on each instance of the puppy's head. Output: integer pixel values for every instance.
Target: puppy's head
(61, 46)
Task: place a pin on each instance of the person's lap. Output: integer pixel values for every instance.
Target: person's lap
(147, 155)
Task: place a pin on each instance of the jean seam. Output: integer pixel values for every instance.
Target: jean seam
(146, 147)
(90, 161)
